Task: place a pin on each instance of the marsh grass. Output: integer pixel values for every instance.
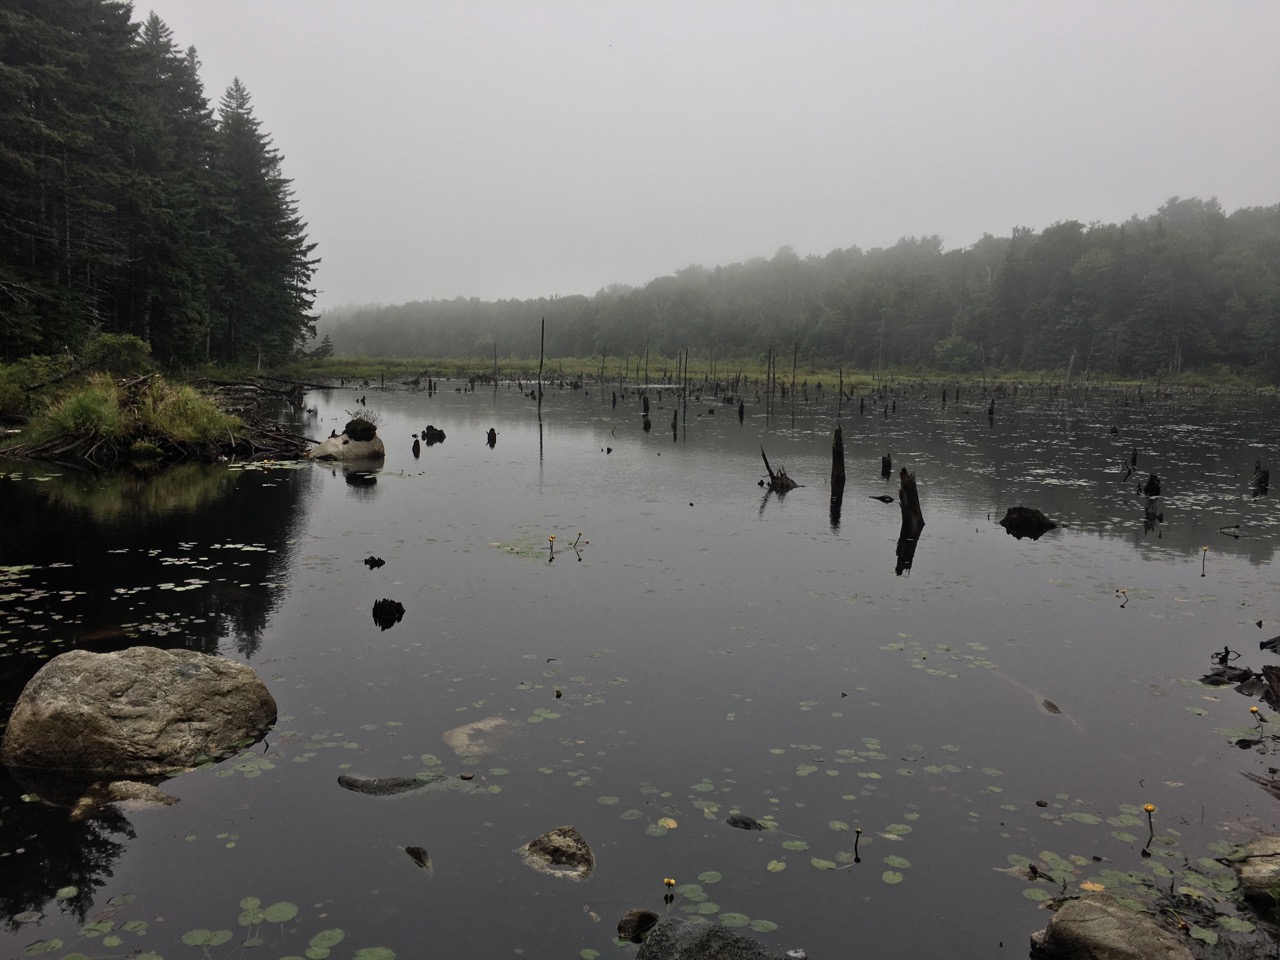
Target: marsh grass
(102, 420)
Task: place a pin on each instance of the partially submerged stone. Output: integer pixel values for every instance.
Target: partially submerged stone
(635, 923)
(138, 712)
(675, 938)
(130, 794)
(1026, 522)
(1100, 927)
(561, 852)
(1258, 867)
(359, 440)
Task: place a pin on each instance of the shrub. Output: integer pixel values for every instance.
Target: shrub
(120, 354)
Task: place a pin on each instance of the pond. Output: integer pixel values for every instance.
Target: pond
(688, 647)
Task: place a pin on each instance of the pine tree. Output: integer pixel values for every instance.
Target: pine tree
(66, 116)
(264, 288)
(163, 296)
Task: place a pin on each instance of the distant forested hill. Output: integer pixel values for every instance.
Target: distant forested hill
(1187, 288)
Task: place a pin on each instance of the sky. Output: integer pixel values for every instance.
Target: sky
(502, 149)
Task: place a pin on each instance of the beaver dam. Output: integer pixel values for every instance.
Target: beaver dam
(108, 422)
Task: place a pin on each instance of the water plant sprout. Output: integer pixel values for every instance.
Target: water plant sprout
(1204, 553)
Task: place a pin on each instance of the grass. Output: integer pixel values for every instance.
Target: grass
(147, 417)
(397, 370)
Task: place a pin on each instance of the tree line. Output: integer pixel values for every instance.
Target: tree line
(128, 206)
(1188, 288)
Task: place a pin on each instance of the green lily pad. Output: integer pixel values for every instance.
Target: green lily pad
(794, 845)
(42, 946)
(710, 876)
(375, 953)
(206, 938)
(763, 926)
(281, 912)
(328, 938)
(900, 863)
(891, 877)
(734, 919)
(776, 866)
(822, 864)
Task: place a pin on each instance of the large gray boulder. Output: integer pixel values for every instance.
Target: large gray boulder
(139, 712)
(1100, 927)
(674, 938)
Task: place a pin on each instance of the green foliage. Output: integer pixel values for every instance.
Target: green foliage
(90, 410)
(121, 355)
(1188, 288)
(144, 417)
(184, 414)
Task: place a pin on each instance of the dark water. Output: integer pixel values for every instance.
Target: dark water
(716, 650)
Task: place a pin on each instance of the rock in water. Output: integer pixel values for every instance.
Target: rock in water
(561, 852)
(359, 440)
(138, 712)
(1100, 926)
(674, 938)
(635, 923)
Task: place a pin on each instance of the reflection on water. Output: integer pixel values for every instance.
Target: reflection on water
(715, 650)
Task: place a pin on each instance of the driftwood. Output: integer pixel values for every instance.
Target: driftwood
(779, 482)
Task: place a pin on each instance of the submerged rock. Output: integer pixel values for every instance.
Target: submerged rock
(561, 852)
(1100, 927)
(743, 822)
(131, 794)
(139, 712)
(476, 738)
(387, 786)
(635, 923)
(675, 938)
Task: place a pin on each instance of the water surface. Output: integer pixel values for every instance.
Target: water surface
(707, 649)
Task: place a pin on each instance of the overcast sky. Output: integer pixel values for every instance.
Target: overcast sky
(441, 148)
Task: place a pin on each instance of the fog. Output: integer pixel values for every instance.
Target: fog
(517, 150)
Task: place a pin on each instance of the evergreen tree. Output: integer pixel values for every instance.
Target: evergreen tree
(264, 287)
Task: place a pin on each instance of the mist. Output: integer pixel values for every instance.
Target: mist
(499, 150)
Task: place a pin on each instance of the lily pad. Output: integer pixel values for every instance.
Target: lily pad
(281, 912)
(891, 877)
(734, 919)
